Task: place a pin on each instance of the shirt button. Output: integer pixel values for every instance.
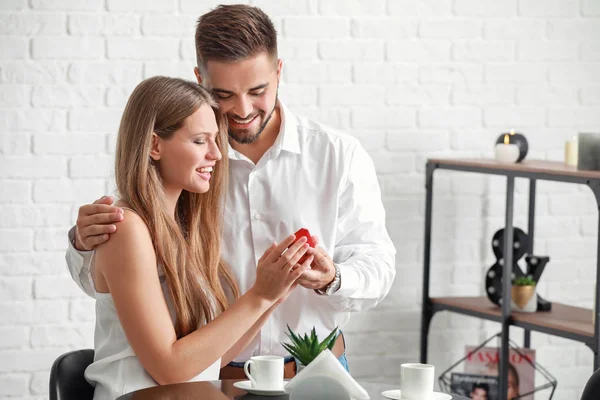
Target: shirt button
(257, 216)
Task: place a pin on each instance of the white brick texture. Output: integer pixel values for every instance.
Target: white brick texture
(411, 79)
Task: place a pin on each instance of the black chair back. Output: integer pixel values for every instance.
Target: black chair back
(66, 376)
(592, 388)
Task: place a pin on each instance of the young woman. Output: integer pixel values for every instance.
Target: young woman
(162, 290)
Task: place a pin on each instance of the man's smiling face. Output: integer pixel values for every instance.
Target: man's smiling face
(246, 91)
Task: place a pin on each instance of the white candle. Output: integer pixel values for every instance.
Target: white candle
(506, 152)
(571, 152)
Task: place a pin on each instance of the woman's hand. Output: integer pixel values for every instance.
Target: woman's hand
(277, 269)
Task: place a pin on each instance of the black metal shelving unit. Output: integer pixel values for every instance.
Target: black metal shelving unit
(564, 321)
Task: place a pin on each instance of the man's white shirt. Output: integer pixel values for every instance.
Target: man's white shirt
(312, 177)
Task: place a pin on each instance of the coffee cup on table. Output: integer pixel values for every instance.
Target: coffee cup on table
(265, 372)
(416, 381)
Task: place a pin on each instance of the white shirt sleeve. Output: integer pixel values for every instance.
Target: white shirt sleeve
(79, 265)
(363, 251)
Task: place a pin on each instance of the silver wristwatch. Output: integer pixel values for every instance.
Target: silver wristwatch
(333, 286)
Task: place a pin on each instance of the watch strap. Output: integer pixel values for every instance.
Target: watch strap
(333, 286)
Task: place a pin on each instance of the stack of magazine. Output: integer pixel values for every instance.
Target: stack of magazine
(479, 381)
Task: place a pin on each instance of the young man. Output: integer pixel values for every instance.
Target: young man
(286, 172)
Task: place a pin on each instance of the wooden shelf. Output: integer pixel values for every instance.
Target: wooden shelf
(550, 168)
(564, 321)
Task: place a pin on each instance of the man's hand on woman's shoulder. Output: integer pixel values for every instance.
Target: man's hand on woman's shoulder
(95, 223)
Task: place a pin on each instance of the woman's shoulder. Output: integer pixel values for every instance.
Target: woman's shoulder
(131, 231)
(128, 250)
(132, 221)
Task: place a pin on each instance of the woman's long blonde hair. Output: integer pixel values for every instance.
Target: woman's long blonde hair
(188, 248)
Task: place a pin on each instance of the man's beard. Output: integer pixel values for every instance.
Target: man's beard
(249, 139)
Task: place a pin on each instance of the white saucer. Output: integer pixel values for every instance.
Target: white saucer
(397, 395)
(247, 386)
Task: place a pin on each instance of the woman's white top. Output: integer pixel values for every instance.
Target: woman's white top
(116, 369)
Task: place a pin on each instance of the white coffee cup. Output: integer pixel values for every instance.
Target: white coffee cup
(265, 372)
(416, 381)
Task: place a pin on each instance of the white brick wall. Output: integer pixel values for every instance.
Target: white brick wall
(410, 78)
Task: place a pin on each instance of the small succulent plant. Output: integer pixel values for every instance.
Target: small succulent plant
(524, 281)
(306, 348)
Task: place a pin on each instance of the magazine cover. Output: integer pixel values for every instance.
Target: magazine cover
(521, 374)
(474, 386)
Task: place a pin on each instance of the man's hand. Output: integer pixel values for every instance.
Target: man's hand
(94, 223)
(322, 270)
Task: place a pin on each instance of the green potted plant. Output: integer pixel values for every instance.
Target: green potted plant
(306, 348)
(523, 294)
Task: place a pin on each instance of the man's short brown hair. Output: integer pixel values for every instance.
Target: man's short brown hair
(234, 32)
